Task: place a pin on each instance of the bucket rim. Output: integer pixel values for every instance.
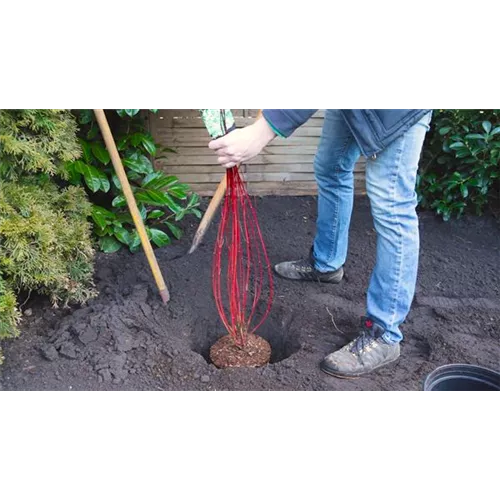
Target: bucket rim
(439, 374)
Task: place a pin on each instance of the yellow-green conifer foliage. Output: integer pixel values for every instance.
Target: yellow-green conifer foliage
(45, 243)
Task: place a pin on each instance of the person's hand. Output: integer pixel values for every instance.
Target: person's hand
(240, 146)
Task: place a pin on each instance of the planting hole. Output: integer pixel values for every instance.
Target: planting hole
(278, 332)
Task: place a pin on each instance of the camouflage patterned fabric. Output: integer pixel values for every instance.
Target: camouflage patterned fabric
(217, 121)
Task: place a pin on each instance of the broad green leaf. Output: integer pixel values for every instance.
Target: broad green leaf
(125, 217)
(122, 143)
(93, 132)
(159, 237)
(123, 235)
(464, 190)
(149, 144)
(105, 185)
(100, 152)
(495, 131)
(179, 215)
(177, 192)
(104, 212)
(136, 139)
(86, 116)
(74, 175)
(139, 163)
(462, 153)
(196, 212)
(158, 180)
(487, 126)
(143, 211)
(99, 218)
(87, 151)
(131, 112)
(95, 179)
(157, 198)
(172, 204)
(444, 130)
(194, 200)
(150, 197)
(156, 214)
(116, 181)
(174, 230)
(101, 231)
(119, 201)
(475, 136)
(457, 145)
(109, 244)
(136, 241)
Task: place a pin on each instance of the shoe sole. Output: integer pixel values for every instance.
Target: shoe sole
(336, 375)
(351, 377)
(332, 282)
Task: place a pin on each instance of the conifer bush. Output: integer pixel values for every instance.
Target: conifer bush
(45, 236)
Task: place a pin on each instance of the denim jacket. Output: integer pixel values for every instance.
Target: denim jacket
(373, 129)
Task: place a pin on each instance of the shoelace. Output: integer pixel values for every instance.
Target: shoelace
(359, 344)
(303, 265)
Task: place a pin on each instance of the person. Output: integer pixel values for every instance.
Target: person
(391, 140)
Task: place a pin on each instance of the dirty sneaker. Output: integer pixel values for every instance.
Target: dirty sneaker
(304, 270)
(364, 354)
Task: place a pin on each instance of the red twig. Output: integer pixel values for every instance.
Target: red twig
(241, 266)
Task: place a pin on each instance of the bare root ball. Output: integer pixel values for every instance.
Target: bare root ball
(226, 354)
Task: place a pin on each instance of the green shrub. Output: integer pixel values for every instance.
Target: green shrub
(460, 168)
(45, 238)
(36, 141)
(9, 314)
(161, 198)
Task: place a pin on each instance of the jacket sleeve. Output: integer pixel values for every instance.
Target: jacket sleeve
(284, 122)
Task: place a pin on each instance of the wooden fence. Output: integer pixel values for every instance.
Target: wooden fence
(285, 167)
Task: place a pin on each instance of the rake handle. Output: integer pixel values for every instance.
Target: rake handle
(132, 205)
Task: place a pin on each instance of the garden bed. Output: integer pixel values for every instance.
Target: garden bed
(127, 340)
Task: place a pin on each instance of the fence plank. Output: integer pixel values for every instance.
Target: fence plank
(273, 167)
(284, 167)
(253, 177)
(292, 188)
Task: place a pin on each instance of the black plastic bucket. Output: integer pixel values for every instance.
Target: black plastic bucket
(462, 378)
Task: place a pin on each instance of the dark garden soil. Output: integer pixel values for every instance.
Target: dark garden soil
(127, 340)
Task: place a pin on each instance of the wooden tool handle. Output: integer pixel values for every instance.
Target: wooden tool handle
(132, 205)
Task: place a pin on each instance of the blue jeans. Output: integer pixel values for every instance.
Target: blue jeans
(390, 184)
